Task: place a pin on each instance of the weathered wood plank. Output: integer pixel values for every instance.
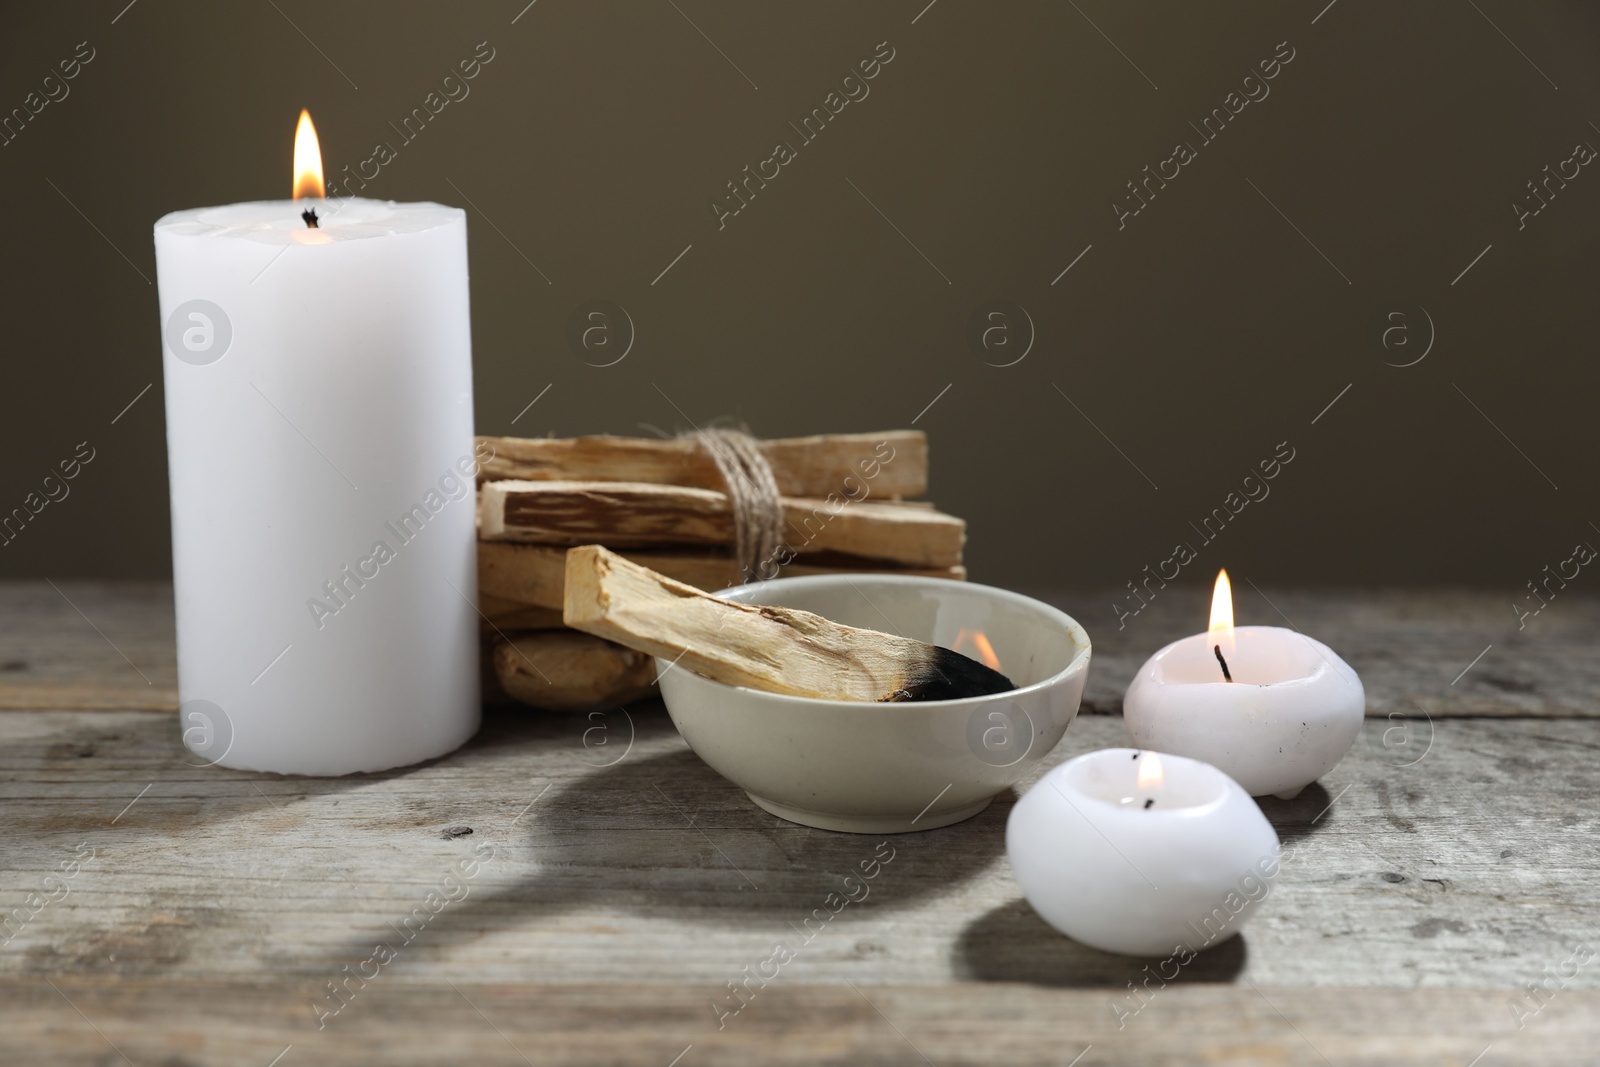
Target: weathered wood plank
(1412, 647)
(87, 645)
(403, 1022)
(1408, 646)
(188, 914)
(621, 885)
(615, 855)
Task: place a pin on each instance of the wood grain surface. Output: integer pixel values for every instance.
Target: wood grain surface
(487, 1024)
(88, 645)
(1417, 651)
(620, 885)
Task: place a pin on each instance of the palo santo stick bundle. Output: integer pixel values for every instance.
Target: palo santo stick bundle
(669, 504)
(489, 688)
(560, 670)
(779, 650)
(500, 614)
(514, 576)
(634, 515)
(894, 462)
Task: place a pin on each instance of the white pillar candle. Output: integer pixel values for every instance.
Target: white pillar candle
(320, 452)
(1289, 715)
(1140, 853)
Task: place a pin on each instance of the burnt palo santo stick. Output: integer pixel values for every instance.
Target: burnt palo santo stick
(777, 650)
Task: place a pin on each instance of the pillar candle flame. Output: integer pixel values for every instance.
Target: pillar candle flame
(307, 160)
(1222, 604)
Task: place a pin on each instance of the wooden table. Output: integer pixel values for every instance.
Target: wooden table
(192, 915)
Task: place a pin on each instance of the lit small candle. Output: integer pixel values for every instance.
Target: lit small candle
(1273, 708)
(1144, 854)
(318, 369)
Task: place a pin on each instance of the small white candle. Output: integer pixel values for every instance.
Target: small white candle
(320, 452)
(1290, 713)
(1144, 854)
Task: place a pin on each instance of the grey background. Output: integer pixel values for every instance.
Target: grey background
(1215, 325)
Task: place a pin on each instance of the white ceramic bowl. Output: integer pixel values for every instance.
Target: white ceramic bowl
(891, 768)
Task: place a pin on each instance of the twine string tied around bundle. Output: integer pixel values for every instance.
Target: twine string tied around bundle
(753, 496)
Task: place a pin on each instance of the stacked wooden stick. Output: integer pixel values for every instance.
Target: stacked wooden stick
(847, 507)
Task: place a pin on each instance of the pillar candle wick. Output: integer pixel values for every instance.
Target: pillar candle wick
(1225, 673)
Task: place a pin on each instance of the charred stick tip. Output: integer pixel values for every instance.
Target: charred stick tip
(947, 675)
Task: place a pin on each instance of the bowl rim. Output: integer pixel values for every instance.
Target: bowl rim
(1078, 663)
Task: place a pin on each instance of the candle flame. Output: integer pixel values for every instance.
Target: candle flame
(978, 641)
(307, 160)
(1222, 604)
(1151, 774)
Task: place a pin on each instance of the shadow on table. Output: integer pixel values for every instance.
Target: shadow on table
(1301, 817)
(1012, 944)
(119, 784)
(118, 776)
(664, 835)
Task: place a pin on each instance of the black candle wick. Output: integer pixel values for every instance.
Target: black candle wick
(1225, 673)
(310, 217)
